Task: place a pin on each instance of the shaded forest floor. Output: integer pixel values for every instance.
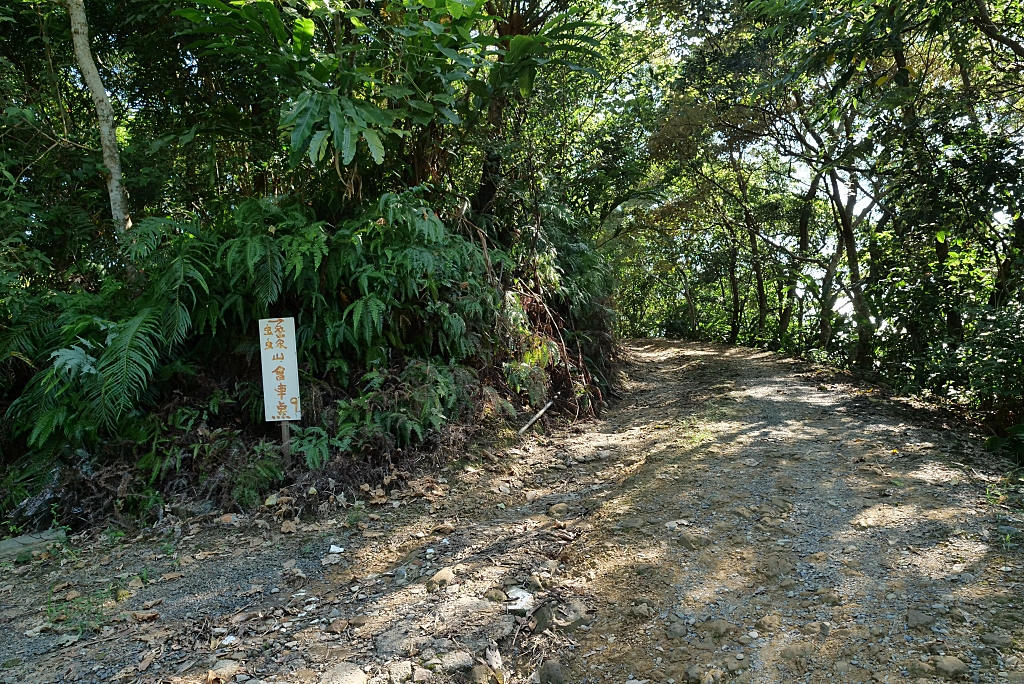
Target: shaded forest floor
(736, 517)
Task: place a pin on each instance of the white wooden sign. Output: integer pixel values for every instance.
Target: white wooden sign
(280, 369)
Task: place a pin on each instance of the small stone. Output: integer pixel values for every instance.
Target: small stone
(798, 650)
(831, 599)
(811, 628)
(495, 594)
(916, 618)
(692, 542)
(742, 512)
(523, 601)
(994, 639)
(400, 671)
(920, 668)
(950, 666)
(479, 674)
(420, 674)
(551, 672)
(441, 579)
(337, 626)
(718, 628)
(677, 630)
(559, 510)
(544, 617)
(455, 661)
(226, 669)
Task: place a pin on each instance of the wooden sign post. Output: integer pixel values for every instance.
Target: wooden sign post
(278, 349)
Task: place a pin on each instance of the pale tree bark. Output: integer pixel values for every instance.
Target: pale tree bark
(104, 113)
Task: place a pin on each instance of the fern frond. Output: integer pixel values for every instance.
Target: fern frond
(128, 361)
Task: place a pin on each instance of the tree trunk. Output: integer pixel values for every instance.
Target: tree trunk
(1006, 274)
(828, 298)
(862, 313)
(762, 296)
(691, 307)
(751, 225)
(804, 236)
(104, 114)
(954, 321)
(734, 288)
(487, 189)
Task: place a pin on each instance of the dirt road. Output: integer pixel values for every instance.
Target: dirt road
(735, 518)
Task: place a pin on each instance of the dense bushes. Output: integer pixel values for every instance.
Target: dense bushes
(283, 160)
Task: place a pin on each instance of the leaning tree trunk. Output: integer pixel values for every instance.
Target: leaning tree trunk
(104, 113)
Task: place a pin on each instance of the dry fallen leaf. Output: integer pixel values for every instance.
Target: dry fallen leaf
(145, 615)
(72, 595)
(155, 602)
(144, 665)
(289, 527)
(168, 576)
(136, 583)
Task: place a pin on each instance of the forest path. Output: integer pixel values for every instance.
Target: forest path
(737, 517)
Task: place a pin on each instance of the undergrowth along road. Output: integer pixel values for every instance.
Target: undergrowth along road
(737, 517)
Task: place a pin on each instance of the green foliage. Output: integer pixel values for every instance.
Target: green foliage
(843, 182)
(313, 443)
(1012, 443)
(256, 476)
(326, 163)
